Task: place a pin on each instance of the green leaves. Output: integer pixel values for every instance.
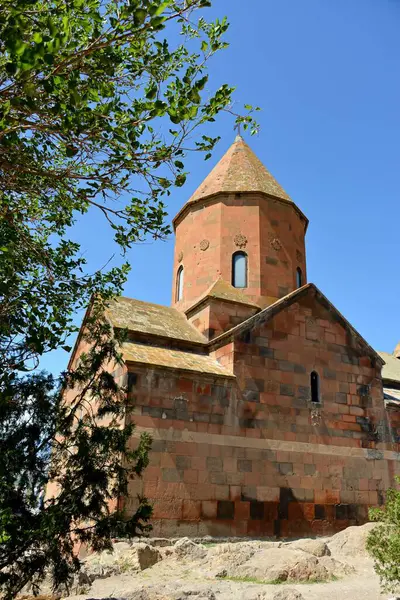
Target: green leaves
(139, 16)
(383, 542)
(88, 92)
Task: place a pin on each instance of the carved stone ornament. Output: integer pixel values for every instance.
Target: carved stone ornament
(240, 240)
(204, 244)
(276, 244)
(180, 256)
(299, 255)
(315, 416)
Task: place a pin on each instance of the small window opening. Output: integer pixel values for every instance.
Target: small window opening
(299, 277)
(179, 284)
(239, 270)
(314, 387)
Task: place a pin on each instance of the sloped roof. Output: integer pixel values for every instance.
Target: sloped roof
(392, 398)
(222, 290)
(273, 309)
(391, 368)
(153, 319)
(239, 170)
(173, 359)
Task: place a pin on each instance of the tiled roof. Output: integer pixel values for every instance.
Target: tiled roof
(239, 170)
(273, 309)
(222, 290)
(392, 398)
(173, 359)
(390, 370)
(153, 319)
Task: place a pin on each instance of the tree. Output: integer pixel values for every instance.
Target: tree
(98, 109)
(383, 541)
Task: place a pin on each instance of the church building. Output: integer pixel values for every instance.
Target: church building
(270, 414)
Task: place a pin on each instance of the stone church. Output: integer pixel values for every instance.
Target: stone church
(269, 413)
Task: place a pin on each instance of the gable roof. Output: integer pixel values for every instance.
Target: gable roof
(222, 290)
(391, 368)
(152, 319)
(270, 311)
(133, 352)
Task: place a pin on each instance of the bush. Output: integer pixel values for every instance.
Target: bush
(383, 543)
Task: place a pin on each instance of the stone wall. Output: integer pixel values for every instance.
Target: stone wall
(254, 456)
(214, 316)
(270, 231)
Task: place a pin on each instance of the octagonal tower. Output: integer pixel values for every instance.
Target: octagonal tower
(240, 227)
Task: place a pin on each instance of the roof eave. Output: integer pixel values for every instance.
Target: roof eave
(198, 371)
(270, 311)
(209, 297)
(186, 207)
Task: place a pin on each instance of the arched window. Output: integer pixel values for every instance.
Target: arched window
(314, 380)
(299, 277)
(179, 284)
(239, 270)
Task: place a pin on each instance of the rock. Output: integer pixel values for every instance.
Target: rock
(185, 548)
(306, 569)
(138, 557)
(287, 594)
(147, 556)
(287, 563)
(351, 541)
(206, 594)
(142, 594)
(221, 574)
(315, 547)
(336, 568)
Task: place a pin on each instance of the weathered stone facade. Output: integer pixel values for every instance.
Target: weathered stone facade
(266, 407)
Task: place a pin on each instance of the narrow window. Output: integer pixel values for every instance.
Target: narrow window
(179, 284)
(314, 387)
(299, 277)
(239, 270)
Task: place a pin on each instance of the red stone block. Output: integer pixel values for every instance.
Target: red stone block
(242, 510)
(190, 476)
(209, 509)
(191, 510)
(167, 509)
(295, 510)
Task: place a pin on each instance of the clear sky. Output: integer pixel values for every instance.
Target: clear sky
(326, 75)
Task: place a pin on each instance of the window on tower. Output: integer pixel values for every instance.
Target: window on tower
(179, 284)
(314, 380)
(299, 277)
(239, 270)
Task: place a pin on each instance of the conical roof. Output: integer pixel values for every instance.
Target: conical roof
(239, 170)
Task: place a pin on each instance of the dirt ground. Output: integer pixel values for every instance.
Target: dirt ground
(336, 568)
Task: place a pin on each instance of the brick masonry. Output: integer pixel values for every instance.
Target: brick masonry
(255, 456)
(275, 246)
(246, 450)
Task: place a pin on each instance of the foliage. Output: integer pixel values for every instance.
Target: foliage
(100, 104)
(91, 464)
(383, 542)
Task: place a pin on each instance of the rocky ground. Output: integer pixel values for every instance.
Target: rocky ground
(335, 568)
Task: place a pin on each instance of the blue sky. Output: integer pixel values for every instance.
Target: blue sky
(326, 75)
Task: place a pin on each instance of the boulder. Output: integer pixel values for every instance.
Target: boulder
(146, 556)
(137, 557)
(185, 548)
(351, 541)
(274, 564)
(306, 569)
(315, 547)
